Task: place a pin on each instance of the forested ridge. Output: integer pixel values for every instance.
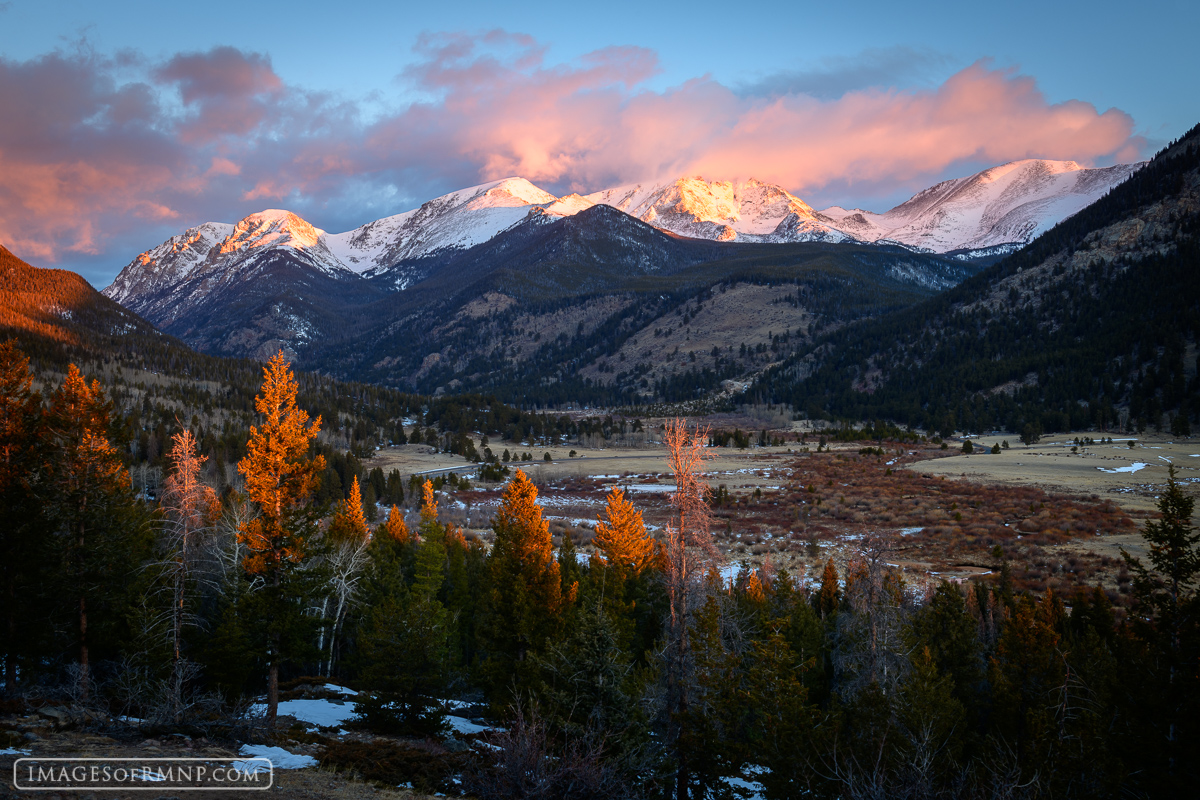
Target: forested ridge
(640, 672)
(1093, 324)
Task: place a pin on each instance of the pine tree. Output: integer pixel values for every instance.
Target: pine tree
(945, 628)
(526, 598)
(90, 485)
(431, 553)
(280, 480)
(621, 542)
(395, 527)
(1167, 617)
(829, 595)
(404, 656)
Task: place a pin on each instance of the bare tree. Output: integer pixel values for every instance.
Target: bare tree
(869, 641)
(347, 561)
(688, 547)
(190, 508)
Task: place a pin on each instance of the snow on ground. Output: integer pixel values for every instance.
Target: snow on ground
(333, 687)
(325, 713)
(465, 726)
(281, 758)
(12, 751)
(1134, 467)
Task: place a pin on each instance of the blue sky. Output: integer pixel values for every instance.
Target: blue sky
(349, 86)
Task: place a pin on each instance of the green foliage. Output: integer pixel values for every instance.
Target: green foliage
(405, 657)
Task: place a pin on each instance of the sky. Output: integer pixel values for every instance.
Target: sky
(123, 123)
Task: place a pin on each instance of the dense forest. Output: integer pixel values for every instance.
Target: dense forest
(643, 671)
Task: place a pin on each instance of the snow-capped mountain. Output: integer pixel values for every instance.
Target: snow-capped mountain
(166, 281)
(993, 210)
(746, 211)
(1006, 205)
(218, 251)
(453, 221)
(166, 265)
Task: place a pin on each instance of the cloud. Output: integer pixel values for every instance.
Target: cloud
(835, 76)
(95, 160)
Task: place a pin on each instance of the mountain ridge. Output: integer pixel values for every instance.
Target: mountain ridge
(958, 216)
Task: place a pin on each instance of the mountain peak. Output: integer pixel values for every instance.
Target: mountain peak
(519, 190)
(271, 228)
(693, 205)
(1006, 205)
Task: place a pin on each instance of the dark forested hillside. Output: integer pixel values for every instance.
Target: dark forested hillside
(1093, 324)
(582, 311)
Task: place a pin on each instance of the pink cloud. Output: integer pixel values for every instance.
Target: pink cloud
(89, 159)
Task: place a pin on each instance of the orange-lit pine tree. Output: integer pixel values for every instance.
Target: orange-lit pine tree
(526, 600)
(829, 595)
(621, 541)
(280, 480)
(395, 527)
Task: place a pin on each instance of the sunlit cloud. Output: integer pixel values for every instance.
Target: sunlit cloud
(96, 162)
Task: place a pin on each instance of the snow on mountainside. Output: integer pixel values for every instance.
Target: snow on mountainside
(218, 251)
(1013, 202)
(721, 210)
(457, 220)
(993, 209)
(168, 264)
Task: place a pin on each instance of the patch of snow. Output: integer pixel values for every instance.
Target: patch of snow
(465, 726)
(324, 713)
(1134, 467)
(280, 758)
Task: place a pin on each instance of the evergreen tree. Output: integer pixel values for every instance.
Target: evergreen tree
(431, 552)
(947, 630)
(91, 492)
(621, 542)
(829, 595)
(1167, 618)
(395, 527)
(525, 599)
(280, 479)
(404, 655)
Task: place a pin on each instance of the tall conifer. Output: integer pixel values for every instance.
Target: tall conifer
(280, 480)
(526, 598)
(90, 483)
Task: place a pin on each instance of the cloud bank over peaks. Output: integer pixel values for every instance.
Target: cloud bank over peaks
(101, 155)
